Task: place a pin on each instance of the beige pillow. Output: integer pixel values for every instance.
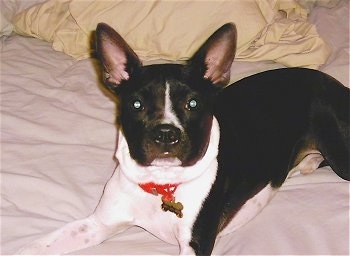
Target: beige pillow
(8, 9)
(173, 30)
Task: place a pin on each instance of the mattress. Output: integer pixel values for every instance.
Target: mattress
(58, 137)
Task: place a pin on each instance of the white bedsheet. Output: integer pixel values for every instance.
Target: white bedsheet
(57, 147)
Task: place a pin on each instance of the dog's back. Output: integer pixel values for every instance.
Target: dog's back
(271, 114)
(269, 122)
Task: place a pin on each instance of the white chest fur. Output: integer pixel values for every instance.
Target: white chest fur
(125, 202)
(166, 225)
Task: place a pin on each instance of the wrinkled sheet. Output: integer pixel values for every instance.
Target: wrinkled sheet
(58, 141)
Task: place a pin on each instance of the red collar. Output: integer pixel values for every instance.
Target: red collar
(166, 190)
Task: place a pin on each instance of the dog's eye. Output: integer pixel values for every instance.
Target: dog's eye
(137, 105)
(191, 104)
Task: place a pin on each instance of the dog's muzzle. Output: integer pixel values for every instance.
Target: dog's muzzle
(166, 140)
(166, 134)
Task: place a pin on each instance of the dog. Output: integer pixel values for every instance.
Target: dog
(197, 158)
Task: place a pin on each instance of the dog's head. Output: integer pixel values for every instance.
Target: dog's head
(165, 110)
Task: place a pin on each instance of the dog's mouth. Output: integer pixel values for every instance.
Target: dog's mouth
(165, 145)
(179, 153)
(166, 158)
(166, 162)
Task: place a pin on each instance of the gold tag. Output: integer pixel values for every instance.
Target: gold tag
(172, 206)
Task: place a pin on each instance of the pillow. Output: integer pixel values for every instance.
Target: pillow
(8, 10)
(310, 4)
(174, 30)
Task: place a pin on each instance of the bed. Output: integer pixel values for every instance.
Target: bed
(58, 121)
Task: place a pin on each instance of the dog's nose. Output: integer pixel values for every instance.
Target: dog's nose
(166, 134)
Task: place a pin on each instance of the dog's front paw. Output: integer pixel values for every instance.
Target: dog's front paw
(35, 248)
(73, 236)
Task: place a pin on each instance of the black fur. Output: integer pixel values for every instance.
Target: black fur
(148, 87)
(267, 121)
(262, 120)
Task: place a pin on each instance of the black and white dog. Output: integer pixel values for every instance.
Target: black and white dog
(196, 160)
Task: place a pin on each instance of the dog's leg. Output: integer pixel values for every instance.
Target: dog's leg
(333, 135)
(185, 248)
(71, 237)
(308, 164)
(111, 216)
(184, 239)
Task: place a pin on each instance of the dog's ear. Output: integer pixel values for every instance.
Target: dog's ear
(118, 59)
(215, 56)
